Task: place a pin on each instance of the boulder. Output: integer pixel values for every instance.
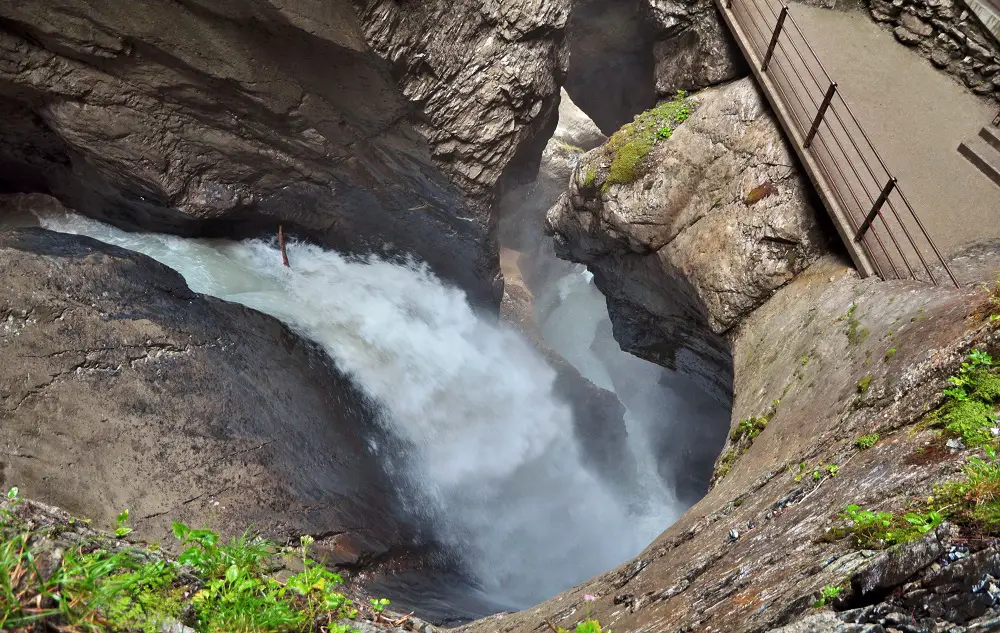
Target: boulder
(717, 219)
(383, 126)
(120, 388)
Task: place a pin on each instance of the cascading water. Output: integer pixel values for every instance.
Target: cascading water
(485, 449)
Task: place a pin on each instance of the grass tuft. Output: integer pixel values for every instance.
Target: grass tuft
(105, 586)
(628, 148)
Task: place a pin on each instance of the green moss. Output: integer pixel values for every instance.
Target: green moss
(867, 441)
(988, 388)
(590, 177)
(856, 334)
(864, 383)
(627, 164)
(969, 408)
(725, 463)
(889, 353)
(970, 420)
(628, 148)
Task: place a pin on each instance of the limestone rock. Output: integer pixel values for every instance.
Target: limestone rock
(695, 50)
(522, 209)
(906, 36)
(228, 117)
(915, 25)
(624, 53)
(694, 577)
(121, 388)
(720, 220)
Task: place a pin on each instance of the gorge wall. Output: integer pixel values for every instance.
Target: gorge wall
(820, 358)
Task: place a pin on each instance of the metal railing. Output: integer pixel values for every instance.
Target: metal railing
(821, 123)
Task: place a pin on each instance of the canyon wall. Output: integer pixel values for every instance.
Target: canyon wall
(382, 127)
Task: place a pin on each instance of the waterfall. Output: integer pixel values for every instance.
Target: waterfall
(485, 450)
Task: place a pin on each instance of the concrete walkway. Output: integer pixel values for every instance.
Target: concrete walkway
(916, 117)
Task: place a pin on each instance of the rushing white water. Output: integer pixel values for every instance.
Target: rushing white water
(490, 451)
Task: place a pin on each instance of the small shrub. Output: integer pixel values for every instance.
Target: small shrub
(828, 594)
(864, 383)
(969, 409)
(889, 353)
(876, 530)
(867, 441)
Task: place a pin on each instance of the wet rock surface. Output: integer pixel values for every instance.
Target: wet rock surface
(752, 555)
(121, 388)
(719, 219)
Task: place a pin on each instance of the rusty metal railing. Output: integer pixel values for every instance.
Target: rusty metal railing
(881, 220)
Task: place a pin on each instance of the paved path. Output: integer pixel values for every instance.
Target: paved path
(914, 115)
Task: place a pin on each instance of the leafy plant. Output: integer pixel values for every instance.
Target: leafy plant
(828, 594)
(379, 604)
(875, 530)
(867, 441)
(121, 525)
(100, 586)
(969, 410)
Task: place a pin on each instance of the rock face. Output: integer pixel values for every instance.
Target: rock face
(947, 34)
(720, 219)
(230, 117)
(751, 556)
(625, 53)
(522, 209)
(693, 49)
(121, 388)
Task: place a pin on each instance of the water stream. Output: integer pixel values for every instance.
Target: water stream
(484, 447)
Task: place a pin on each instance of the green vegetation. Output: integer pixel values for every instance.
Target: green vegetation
(590, 177)
(975, 499)
(969, 410)
(628, 148)
(889, 353)
(867, 441)
(588, 625)
(102, 585)
(817, 472)
(875, 530)
(743, 436)
(864, 383)
(828, 594)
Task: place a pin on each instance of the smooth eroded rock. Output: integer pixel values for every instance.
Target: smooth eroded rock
(717, 219)
(120, 388)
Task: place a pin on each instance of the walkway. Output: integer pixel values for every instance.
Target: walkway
(914, 115)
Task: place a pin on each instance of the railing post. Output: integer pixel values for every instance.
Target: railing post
(820, 114)
(882, 197)
(774, 38)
